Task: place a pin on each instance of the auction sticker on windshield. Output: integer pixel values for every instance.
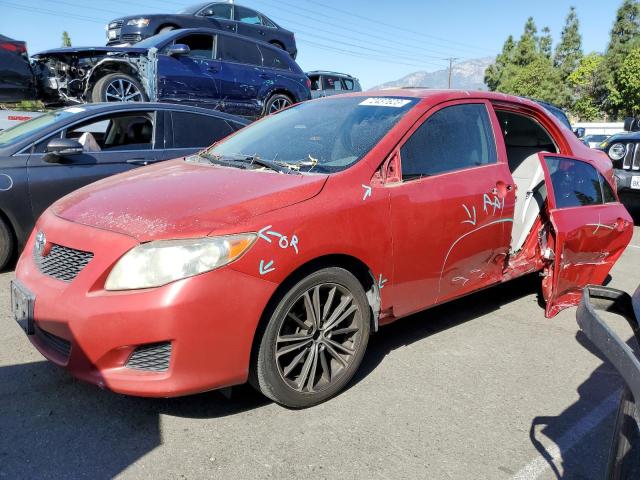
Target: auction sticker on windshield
(385, 102)
(635, 182)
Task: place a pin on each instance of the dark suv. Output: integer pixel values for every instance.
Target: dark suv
(202, 67)
(624, 151)
(219, 15)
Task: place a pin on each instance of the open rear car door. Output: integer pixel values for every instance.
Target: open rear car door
(590, 229)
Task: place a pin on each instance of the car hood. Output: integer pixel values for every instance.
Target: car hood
(61, 52)
(179, 199)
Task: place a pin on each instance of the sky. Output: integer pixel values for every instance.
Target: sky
(376, 41)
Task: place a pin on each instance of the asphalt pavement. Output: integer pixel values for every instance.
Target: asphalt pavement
(481, 388)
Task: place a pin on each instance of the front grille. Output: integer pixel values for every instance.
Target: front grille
(631, 159)
(53, 342)
(154, 357)
(131, 38)
(63, 263)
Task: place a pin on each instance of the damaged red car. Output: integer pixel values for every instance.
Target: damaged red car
(273, 255)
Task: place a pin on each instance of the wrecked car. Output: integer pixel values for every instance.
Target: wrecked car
(218, 15)
(201, 67)
(45, 158)
(272, 256)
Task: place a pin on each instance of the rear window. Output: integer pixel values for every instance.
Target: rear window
(196, 131)
(236, 50)
(274, 59)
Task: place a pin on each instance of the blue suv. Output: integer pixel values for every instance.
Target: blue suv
(202, 67)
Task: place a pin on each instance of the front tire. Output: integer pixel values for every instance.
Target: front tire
(315, 339)
(7, 245)
(118, 87)
(277, 102)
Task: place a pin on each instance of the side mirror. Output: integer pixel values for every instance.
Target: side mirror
(629, 124)
(580, 132)
(64, 147)
(178, 49)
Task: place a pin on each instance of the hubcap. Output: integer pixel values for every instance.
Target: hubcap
(122, 90)
(318, 338)
(279, 104)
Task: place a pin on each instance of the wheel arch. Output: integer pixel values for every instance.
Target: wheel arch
(166, 24)
(353, 265)
(111, 66)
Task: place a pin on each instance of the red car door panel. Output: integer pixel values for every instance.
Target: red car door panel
(590, 229)
(451, 229)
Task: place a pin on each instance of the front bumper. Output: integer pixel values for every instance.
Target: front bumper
(127, 34)
(624, 179)
(209, 320)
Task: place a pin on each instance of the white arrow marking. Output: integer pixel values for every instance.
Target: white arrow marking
(367, 191)
(381, 282)
(472, 220)
(262, 235)
(266, 268)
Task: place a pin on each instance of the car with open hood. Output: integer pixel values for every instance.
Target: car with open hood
(200, 67)
(272, 256)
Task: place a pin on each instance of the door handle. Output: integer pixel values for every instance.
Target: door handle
(213, 70)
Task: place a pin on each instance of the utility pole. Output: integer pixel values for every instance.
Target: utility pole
(451, 60)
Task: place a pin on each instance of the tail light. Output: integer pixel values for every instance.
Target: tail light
(308, 83)
(19, 47)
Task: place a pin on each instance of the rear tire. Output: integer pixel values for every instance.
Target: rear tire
(276, 103)
(118, 87)
(7, 245)
(315, 339)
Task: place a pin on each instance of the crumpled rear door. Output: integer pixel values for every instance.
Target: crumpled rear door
(589, 231)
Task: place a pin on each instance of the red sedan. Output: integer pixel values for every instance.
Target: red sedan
(273, 255)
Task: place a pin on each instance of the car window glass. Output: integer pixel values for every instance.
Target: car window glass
(119, 132)
(607, 192)
(196, 131)
(266, 22)
(315, 82)
(246, 15)
(329, 82)
(348, 84)
(231, 49)
(575, 183)
(218, 10)
(453, 138)
(200, 46)
(273, 59)
(41, 146)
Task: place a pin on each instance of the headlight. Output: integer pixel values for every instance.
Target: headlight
(617, 151)
(157, 263)
(139, 22)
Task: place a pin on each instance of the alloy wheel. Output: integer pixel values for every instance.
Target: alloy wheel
(318, 338)
(278, 104)
(122, 90)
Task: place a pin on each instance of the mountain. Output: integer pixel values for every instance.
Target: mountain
(467, 75)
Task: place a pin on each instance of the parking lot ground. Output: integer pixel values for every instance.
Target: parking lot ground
(484, 387)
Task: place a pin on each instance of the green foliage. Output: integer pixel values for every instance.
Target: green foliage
(590, 87)
(66, 39)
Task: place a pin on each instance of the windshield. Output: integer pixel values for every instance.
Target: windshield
(25, 129)
(155, 40)
(192, 9)
(322, 136)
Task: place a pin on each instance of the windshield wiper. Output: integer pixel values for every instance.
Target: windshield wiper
(280, 167)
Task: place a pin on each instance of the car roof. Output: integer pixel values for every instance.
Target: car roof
(328, 72)
(124, 106)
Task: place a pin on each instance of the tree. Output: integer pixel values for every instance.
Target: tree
(493, 73)
(66, 40)
(526, 50)
(627, 83)
(538, 80)
(569, 50)
(546, 42)
(585, 82)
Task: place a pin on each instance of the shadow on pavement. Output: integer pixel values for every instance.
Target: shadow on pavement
(578, 432)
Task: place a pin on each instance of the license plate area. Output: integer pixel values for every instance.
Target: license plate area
(113, 34)
(635, 182)
(22, 301)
